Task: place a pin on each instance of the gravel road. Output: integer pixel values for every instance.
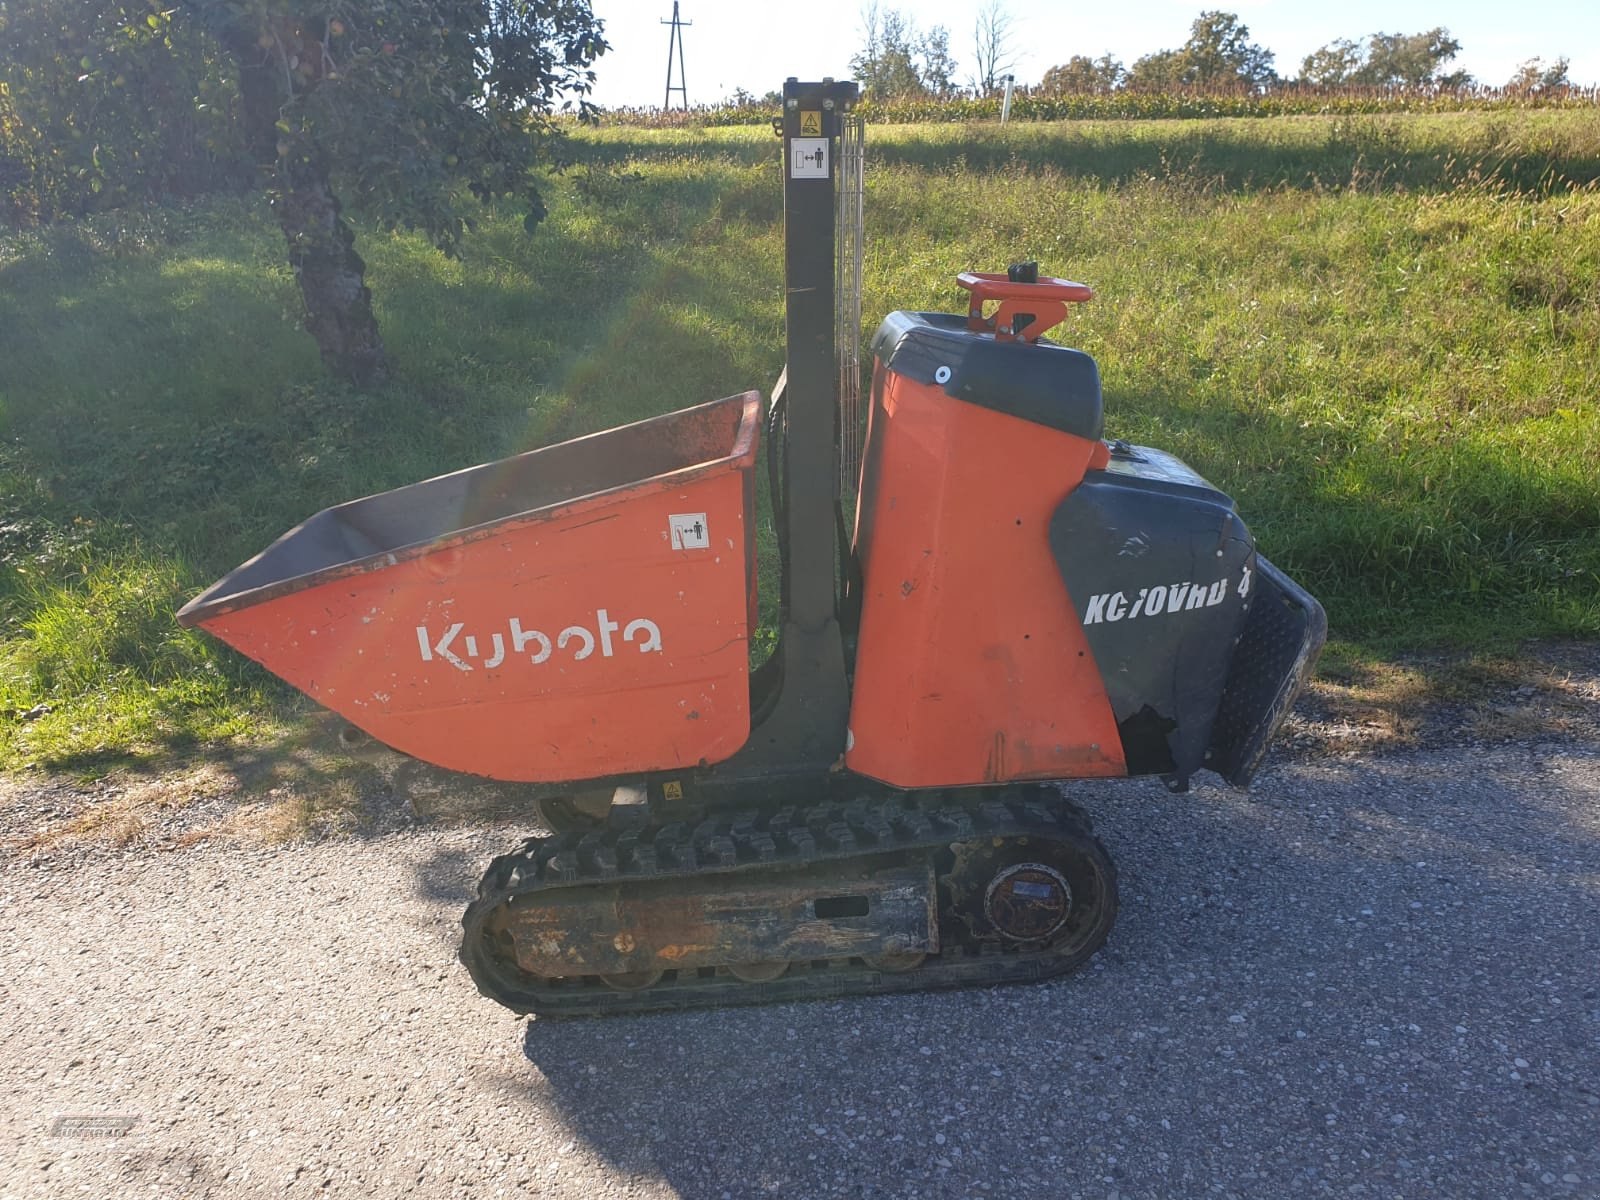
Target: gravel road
(1371, 976)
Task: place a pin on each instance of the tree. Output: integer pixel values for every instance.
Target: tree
(938, 69)
(400, 107)
(1332, 65)
(743, 98)
(1081, 75)
(1158, 72)
(1218, 53)
(15, 156)
(105, 103)
(1534, 76)
(1387, 60)
(1411, 60)
(991, 47)
(898, 60)
(399, 103)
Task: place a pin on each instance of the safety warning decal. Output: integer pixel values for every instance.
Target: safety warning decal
(810, 123)
(808, 158)
(689, 531)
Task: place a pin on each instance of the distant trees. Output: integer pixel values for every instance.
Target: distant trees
(938, 68)
(743, 99)
(1160, 71)
(991, 47)
(1386, 60)
(1534, 76)
(1334, 64)
(1218, 53)
(897, 59)
(1083, 76)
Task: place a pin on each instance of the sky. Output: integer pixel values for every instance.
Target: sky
(756, 45)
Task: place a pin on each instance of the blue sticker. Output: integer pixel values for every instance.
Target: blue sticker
(1033, 891)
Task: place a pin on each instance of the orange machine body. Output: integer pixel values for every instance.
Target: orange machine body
(575, 612)
(972, 666)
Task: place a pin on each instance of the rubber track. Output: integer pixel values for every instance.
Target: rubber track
(831, 832)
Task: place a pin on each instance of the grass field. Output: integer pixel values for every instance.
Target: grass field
(1378, 333)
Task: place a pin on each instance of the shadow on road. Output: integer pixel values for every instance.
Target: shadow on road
(1375, 972)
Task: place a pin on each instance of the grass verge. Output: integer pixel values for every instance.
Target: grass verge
(1375, 332)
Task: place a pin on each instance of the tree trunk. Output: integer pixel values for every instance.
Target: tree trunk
(330, 273)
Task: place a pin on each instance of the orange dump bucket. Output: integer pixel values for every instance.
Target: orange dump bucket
(573, 612)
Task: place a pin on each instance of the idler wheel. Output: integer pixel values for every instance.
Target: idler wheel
(1027, 901)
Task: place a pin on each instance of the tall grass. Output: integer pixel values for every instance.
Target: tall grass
(1532, 152)
(1377, 335)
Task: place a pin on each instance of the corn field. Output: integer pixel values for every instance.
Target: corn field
(1129, 104)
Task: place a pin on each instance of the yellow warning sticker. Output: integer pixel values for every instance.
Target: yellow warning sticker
(672, 790)
(810, 123)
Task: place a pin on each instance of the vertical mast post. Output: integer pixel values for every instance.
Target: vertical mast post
(812, 116)
(801, 698)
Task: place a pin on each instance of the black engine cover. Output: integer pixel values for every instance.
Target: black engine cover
(1160, 569)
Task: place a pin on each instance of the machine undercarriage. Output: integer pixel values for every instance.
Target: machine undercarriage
(878, 893)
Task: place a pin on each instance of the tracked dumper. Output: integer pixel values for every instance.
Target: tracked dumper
(877, 807)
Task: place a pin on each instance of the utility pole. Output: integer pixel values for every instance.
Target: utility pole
(675, 41)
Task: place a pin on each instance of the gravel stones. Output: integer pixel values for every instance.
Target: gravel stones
(1371, 976)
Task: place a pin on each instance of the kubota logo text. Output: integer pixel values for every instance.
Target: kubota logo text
(1162, 598)
(577, 640)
